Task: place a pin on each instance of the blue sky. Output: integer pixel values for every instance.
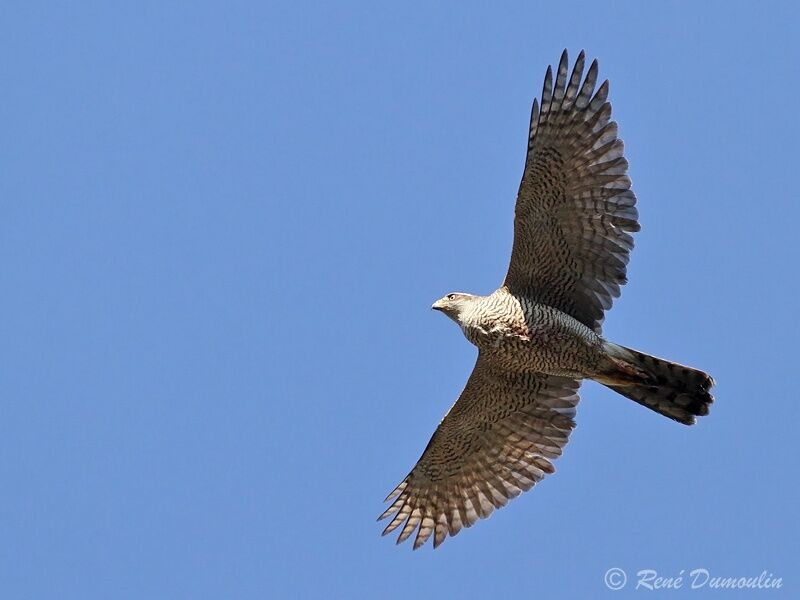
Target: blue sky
(223, 227)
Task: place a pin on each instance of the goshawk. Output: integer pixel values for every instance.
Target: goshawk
(539, 335)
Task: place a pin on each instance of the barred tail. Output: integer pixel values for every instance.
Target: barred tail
(671, 389)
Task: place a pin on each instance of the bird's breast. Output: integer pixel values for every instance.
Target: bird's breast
(525, 338)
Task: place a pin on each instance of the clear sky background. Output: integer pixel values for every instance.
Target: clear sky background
(222, 229)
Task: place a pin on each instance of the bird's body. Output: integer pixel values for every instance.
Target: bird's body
(539, 334)
(523, 335)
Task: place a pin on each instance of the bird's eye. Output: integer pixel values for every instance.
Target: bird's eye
(451, 296)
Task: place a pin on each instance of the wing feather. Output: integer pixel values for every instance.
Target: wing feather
(496, 441)
(575, 209)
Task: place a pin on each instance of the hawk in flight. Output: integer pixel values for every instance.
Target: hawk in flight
(539, 335)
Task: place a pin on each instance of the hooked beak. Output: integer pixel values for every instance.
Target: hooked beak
(437, 305)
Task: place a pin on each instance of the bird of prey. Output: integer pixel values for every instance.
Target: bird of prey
(539, 334)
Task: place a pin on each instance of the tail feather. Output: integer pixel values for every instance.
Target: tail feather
(671, 389)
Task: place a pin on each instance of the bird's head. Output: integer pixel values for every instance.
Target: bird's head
(454, 305)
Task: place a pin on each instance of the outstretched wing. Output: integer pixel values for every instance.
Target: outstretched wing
(495, 442)
(575, 206)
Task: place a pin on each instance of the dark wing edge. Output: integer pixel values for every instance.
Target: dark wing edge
(575, 209)
(496, 441)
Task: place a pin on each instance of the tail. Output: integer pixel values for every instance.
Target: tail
(673, 390)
